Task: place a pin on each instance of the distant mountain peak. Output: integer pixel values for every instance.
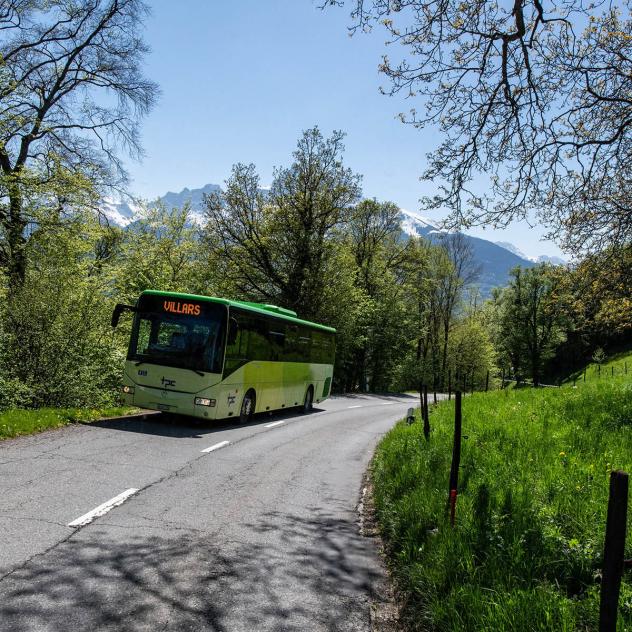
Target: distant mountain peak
(417, 218)
(552, 259)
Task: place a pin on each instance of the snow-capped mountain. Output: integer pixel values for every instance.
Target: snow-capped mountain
(123, 212)
(414, 224)
(509, 246)
(556, 261)
(120, 212)
(493, 260)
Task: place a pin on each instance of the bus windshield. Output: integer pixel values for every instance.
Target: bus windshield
(179, 333)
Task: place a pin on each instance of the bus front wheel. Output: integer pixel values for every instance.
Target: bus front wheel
(247, 407)
(309, 400)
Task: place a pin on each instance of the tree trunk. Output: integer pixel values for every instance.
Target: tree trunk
(16, 240)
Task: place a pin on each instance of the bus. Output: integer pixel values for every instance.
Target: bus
(214, 358)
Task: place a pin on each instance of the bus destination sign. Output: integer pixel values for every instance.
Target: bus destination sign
(176, 307)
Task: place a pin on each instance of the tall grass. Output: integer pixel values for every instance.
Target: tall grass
(526, 550)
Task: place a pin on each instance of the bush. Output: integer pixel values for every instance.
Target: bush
(56, 344)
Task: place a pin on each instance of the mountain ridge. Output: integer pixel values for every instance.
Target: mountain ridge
(495, 259)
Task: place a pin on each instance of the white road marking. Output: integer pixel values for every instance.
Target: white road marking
(101, 510)
(358, 406)
(276, 423)
(389, 403)
(217, 446)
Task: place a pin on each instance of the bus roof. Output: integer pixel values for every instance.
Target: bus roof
(259, 308)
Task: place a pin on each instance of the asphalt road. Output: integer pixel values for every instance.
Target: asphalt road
(260, 533)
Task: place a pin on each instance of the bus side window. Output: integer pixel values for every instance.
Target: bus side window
(258, 347)
(304, 344)
(237, 349)
(276, 339)
(291, 350)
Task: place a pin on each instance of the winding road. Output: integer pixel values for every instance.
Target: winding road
(164, 524)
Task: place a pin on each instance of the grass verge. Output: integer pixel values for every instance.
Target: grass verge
(526, 551)
(17, 422)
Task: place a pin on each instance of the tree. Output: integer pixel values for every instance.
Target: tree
(373, 237)
(277, 243)
(537, 96)
(72, 93)
(531, 319)
(455, 278)
(160, 251)
(56, 344)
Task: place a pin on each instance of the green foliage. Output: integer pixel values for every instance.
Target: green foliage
(531, 321)
(56, 346)
(527, 545)
(160, 251)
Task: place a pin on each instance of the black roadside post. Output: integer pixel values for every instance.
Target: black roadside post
(612, 367)
(456, 458)
(487, 381)
(584, 374)
(502, 385)
(449, 384)
(472, 381)
(425, 414)
(613, 553)
(410, 417)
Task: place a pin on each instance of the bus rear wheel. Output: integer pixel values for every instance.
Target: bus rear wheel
(247, 407)
(309, 400)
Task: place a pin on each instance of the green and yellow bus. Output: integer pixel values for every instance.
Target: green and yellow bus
(214, 358)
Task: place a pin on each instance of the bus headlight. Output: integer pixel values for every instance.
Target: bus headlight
(204, 401)
(128, 390)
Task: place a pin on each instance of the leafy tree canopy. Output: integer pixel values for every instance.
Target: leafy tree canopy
(536, 95)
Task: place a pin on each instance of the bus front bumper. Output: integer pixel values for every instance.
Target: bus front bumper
(170, 401)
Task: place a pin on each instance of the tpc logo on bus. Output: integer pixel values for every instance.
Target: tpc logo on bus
(167, 383)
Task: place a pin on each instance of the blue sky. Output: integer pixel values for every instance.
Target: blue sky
(240, 80)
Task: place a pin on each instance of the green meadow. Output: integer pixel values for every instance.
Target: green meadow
(527, 547)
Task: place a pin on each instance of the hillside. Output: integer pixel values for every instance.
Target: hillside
(526, 551)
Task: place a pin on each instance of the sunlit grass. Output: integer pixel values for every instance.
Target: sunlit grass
(526, 550)
(20, 422)
(618, 366)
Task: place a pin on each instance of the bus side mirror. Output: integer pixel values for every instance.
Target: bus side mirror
(233, 328)
(118, 310)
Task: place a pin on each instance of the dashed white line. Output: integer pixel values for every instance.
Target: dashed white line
(101, 510)
(217, 446)
(358, 406)
(276, 423)
(389, 403)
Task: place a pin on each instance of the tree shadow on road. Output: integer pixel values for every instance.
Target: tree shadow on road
(284, 572)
